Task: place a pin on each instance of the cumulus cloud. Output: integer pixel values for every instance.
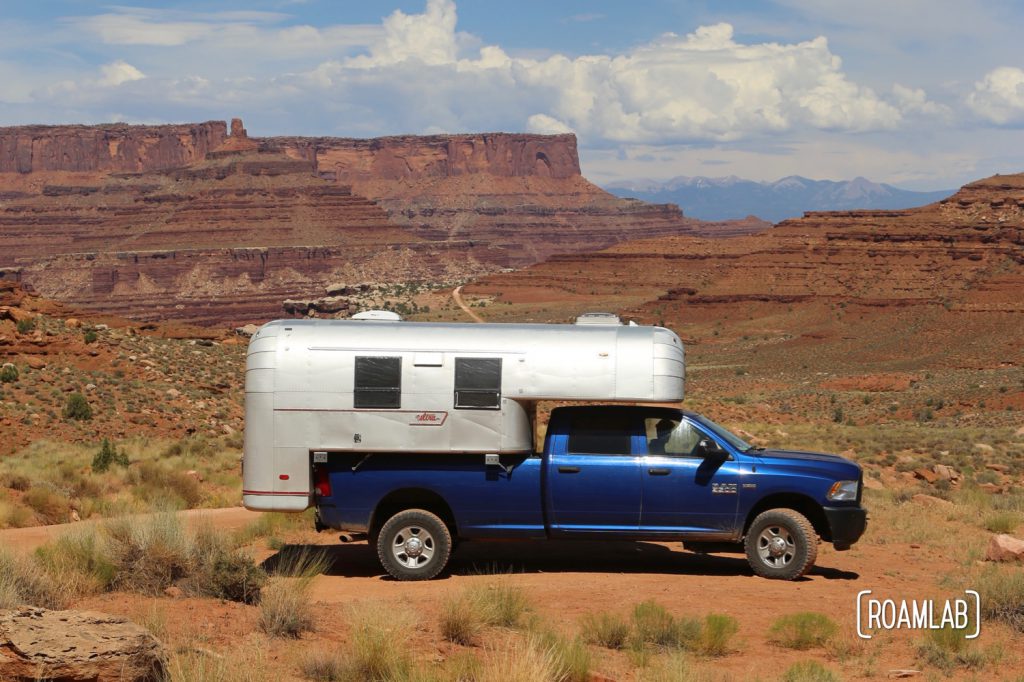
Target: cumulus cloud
(702, 86)
(999, 96)
(116, 73)
(415, 72)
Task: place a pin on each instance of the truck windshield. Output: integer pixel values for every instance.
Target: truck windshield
(723, 433)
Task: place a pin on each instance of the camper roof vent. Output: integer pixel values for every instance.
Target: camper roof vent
(379, 315)
(599, 318)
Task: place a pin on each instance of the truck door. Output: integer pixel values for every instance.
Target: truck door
(685, 491)
(593, 476)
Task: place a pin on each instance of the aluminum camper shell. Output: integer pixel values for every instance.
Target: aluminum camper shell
(301, 398)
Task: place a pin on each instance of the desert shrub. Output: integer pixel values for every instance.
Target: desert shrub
(808, 671)
(77, 558)
(460, 621)
(48, 504)
(21, 582)
(153, 481)
(89, 336)
(285, 606)
(1002, 522)
(947, 650)
(107, 456)
(321, 666)
(15, 481)
(26, 326)
(373, 654)
(520, 663)
(222, 571)
(652, 624)
(8, 374)
(802, 630)
(77, 408)
(605, 629)
(570, 658)
(1002, 595)
(190, 446)
(500, 604)
(150, 555)
(716, 634)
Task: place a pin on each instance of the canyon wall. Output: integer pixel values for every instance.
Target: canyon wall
(114, 147)
(163, 221)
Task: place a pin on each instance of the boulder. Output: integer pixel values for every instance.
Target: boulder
(1005, 548)
(247, 330)
(946, 473)
(932, 501)
(73, 646)
(926, 475)
(35, 362)
(871, 483)
(1001, 468)
(14, 314)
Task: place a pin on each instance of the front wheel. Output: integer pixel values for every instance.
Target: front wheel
(414, 545)
(781, 544)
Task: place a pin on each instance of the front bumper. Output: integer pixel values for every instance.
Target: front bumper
(847, 525)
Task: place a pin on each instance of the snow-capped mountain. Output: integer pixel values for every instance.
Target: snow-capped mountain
(733, 197)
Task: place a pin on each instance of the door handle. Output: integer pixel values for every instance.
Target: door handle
(659, 472)
(568, 470)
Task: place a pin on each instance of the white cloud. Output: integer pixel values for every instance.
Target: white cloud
(116, 73)
(704, 86)
(999, 96)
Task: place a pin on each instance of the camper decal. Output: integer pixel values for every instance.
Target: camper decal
(428, 419)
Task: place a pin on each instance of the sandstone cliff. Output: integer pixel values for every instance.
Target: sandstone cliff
(190, 222)
(77, 148)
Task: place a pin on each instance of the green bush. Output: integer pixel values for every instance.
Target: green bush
(26, 326)
(77, 408)
(716, 634)
(9, 374)
(802, 630)
(605, 629)
(808, 671)
(90, 337)
(107, 456)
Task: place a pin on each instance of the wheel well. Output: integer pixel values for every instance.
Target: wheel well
(411, 498)
(801, 503)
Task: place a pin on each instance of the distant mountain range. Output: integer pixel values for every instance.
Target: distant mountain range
(732, 197)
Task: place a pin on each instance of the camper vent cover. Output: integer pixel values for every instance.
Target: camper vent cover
(598, 318)
(377, 315)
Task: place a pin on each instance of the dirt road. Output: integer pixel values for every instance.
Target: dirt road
(457, 297)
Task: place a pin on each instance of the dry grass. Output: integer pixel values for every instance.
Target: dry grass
(373, 654)
(802, 631)
(460, 621)
(808, 671)
(606, 629)
(58, 478)
(286, 609)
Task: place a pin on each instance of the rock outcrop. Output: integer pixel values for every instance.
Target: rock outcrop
(116, 147)
(76, 646)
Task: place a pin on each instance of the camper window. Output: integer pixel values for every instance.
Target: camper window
(378, 382)
(478, 383)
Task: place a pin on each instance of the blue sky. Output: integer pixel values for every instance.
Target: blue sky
(925, 94)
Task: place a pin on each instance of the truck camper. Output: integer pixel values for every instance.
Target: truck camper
(420, 434)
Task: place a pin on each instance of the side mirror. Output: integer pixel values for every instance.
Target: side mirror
(711, 449)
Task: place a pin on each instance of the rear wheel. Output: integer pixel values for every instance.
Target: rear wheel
(781, 544)
(414, 545)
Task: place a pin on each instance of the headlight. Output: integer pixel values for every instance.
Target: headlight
(843, 491)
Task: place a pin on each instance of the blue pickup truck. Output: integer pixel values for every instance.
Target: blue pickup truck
(606, 472)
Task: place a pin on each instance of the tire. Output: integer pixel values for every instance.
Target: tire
(781, 544)
(414, 545)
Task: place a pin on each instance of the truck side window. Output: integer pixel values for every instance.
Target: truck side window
(600, 434)
(666, 436)
(378, 382)
(478, 383)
